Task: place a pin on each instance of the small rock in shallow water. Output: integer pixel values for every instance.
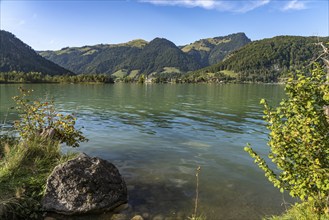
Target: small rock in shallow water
(137, 217)
(119, 217)
(146, 215)
(158, 217)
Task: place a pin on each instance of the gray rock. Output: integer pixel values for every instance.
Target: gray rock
(120, 216)
(137, 217)
(84, 185)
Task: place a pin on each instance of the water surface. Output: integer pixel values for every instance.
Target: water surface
(157, 135)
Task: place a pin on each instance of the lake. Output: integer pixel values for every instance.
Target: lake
(157, 135)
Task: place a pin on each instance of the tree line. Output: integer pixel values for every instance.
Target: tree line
(36, 77)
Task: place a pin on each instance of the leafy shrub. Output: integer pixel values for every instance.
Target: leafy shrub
(299, 140)
(40, 119)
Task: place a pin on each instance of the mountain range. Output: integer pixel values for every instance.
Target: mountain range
(142, 57)
(233, 56)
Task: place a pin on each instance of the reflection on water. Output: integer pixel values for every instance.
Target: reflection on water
(158, 134)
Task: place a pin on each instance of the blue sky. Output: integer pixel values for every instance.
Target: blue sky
(54, 24)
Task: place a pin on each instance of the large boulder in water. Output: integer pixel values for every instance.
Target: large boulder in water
(84, 185)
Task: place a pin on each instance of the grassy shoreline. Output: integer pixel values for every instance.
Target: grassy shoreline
(24, 169)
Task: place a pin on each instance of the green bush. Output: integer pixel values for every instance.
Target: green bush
(40, 119)
(299, 140)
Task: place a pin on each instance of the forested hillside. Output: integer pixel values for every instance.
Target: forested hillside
(269, 59)
(100, 58)
(160, 53)
(212, 50)
(18, 56)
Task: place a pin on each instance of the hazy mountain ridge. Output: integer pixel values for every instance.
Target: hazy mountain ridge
(18, 56)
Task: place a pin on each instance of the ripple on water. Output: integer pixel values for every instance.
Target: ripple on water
(157, 135)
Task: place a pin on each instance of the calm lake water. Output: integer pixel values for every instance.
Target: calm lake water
(157, 135)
